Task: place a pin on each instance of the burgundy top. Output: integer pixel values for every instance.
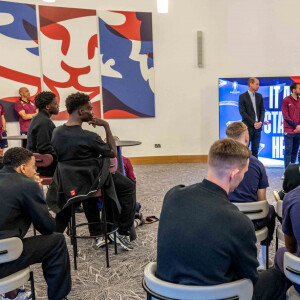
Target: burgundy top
(128, 168)
(29, 108)
(291, 113)
(2, 112)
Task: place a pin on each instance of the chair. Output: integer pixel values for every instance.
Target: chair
(163, 290)
(43, 161)
(279, 232)
(256, 211)
(73, 225)
(292, 272)
(11, 249)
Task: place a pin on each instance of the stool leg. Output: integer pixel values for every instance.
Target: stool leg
(149, 297)
(32, 285)
(74, 236)
(105, 229)
(34, 231)
(276, 243)
(267, 254)
(115, 238)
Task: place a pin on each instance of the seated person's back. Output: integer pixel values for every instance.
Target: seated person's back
(203, 239)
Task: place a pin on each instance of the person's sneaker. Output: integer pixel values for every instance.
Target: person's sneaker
(282, 178)
(122, 240)
(100, 241)
(276, 195)
(22, 295)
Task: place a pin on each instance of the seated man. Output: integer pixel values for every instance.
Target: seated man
(41, 128)
(290, 181)
(290, 227)
(72, 143)
(253, 187)
(22, 203)
(203, 239)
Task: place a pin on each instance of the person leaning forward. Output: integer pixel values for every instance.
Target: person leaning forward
(22, 204)
(203, 239)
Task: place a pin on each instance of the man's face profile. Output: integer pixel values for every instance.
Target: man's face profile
(29, 168)
(87, 112)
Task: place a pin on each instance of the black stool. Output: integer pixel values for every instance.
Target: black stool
(104, 224)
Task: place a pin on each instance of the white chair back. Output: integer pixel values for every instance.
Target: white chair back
(279, 208)
(241, 289)
(254, 210)
(292, 267)
(10, 249)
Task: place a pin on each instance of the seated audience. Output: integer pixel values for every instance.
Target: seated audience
(290, 228)
(22, 204)
(290, 181)
(203, 239)
(253, 187)
(3, 142)
(41, 128)
(74, 144)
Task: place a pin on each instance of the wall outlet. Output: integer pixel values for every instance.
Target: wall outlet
(157, 145)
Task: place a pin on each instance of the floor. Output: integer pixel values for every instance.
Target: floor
(122, 281)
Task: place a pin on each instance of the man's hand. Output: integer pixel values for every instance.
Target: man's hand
(38, 179)
(98, 122)
(257, 125)
(297, 129)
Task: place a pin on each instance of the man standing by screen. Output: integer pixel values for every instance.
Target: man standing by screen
(291, 116)
(252, 110)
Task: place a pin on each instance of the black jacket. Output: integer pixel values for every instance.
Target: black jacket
(40, 133)
(203, 239)
(22, 203)
(247, 111)
(75, 181)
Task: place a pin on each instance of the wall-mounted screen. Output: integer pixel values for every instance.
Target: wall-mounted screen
(273, 90)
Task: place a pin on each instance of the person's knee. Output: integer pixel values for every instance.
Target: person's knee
(58, 239)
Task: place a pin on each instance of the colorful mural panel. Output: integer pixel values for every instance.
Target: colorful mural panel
(19, 54)
(70, 60)
(127, 69)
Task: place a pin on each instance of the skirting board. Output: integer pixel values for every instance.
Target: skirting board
(173, 159)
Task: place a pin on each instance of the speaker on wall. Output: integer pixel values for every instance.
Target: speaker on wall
(199, 48)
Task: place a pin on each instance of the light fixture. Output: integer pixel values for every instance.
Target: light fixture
(162, 6)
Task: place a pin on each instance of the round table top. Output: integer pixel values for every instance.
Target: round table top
(15, 137)
(127, 143)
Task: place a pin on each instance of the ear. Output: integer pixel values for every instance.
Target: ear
(233, 173)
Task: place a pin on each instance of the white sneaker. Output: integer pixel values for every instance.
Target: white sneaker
(262, 258)
(100, 241)
(282, 178)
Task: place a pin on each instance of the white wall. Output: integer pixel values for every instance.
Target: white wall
(241, 38)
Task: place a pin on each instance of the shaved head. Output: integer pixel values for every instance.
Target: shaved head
(24, 92)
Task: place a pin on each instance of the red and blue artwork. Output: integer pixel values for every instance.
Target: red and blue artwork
(70, 58)
(127, 70)
(273, 90)
(19, 54)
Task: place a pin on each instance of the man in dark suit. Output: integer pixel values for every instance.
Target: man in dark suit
(252, 110)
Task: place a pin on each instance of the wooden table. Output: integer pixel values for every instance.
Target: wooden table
(120, 144)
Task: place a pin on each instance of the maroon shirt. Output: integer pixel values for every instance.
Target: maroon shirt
(128, 168)
(29, 108)
(2, 112)
(291, 113)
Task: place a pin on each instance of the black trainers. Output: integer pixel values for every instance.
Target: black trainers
(123, 240)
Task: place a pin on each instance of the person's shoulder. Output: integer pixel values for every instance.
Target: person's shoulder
(243, 95)
(253, 161)
(90, 134)
(293, 194)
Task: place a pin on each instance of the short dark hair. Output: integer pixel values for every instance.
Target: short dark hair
(227, 153)
(293, 86)
(43, 99)
(14, 157)
(75, 101)
(235, 130)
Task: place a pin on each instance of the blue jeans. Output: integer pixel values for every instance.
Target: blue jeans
(254, 138)
(291, 141)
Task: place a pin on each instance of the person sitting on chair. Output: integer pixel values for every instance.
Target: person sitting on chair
(22, 204)
(74, 144)
(41, 128)
(203, 239)
(253, 187)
